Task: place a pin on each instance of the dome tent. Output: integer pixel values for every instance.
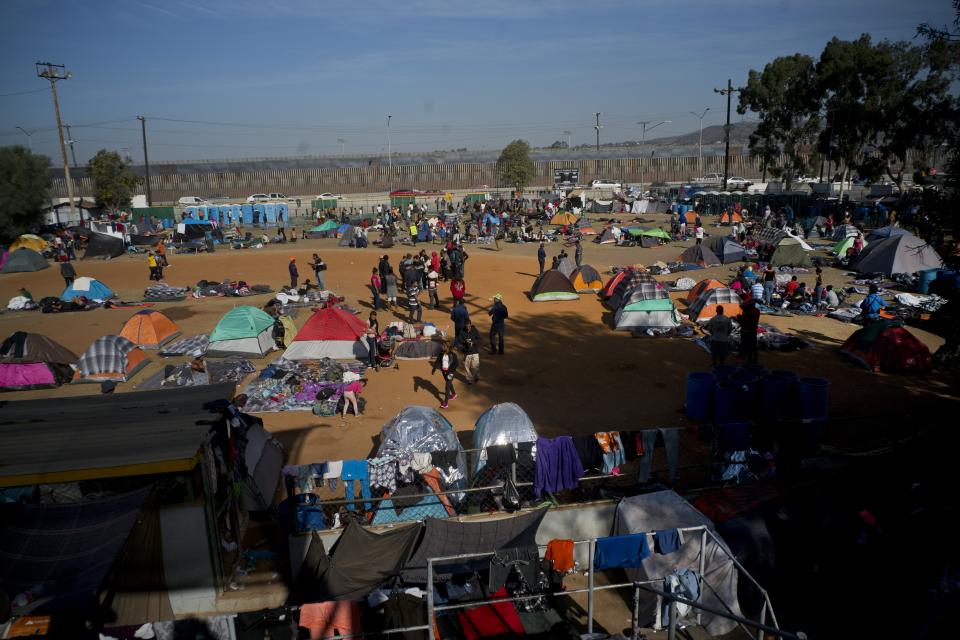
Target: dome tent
(790, 252)
(705, 306)
(566, 266)
(419, 429)
(898, 254)
(504, 423)
(586, 279)
(699, 254)
(149, 329)
(28, 241)
(244, 331)
(110, 358)
(704, 285)
(329, 333)
(24, 260)
(884, 346)
(630, 282)
(552, 286)
(726, 248)
(88, 288)
(32, 361)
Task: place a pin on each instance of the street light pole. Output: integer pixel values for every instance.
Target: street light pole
(567, 133)
(52, 73)
(29, 137)
(643, 141)
(390, 152)
(342, 142)
(729, 91)
(700, 160)
(598, 126)
(146, 159)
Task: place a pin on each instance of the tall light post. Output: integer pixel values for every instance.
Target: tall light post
(52, 73)
(729, 91)
(700, 160)
(342, 142)
(29, 138)
(598, 126)
(146, 159)
(567, 133)
(647, 125)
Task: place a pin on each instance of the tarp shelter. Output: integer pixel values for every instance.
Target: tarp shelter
(86, 287)
(657, 313)
(552, 286)
(504, 423)
(653, 233)
(443, 538)
(606, 237)
(30, 361)
(586, 279)
(841, 247)
(149, 329)
(24, 260)
(898, 254)
(730, 218)
(705, 306)
(666, 510)
(790, 253)
(420, 430)
(243, 331)
(566, 267)
(726, 248)
(699, 254)
(28, 241)
(704, 285)
(110, 358)
(632, 280)
(563, 217)
(329, 333)
(887, 232)
(100, 245)
(346, 235)
(883, 346)
(359, 562)
(601, 206)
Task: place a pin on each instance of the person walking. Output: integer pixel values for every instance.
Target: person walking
(458, 289)
(433, 302)
(383, 267)
(749, 320)
(294, 274)
(372, 334)
(469, 343)
(498, 315)
(578, 253)
(446, 362)
(541, 257)
(769, 282)
(413, 302)
(375, 284)
(68, 272)
(152, 265)
(319, 266)
(720, 327)
(390, 281)
(460, 317)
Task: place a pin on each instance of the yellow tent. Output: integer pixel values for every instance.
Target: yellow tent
(30, 241)
(563, 217)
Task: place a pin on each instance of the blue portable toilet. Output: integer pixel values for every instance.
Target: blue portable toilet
(191, 212)
(259, 215)
(271, 212)
(203, 212)
(236, 213)
(246, 213)
(213, 213)
(283, 213)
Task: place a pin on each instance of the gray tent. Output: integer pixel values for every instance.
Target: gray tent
(421, 430)
(790, 252)
(24, 259)
(726, 248)
(666, 510)
(898, 254)
(504, 423)
(263, 457)
(886, 232)
(566, 267)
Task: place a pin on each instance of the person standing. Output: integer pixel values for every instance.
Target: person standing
(719, 327)
(375, 284)
(319, 266)
(447, 363)
(818, 288)
(699, 234)
(152, 264)
(469, 343)
(769, 282)
(498, 315)
(578, 253)
(390, 281)
(460, 317)
(162, 254)
(413, 302)
(294, 274)
(458, 289)
(68, 272)
(749, 320)
(384, 268)
(433, 302)
(372, 334)
(541, 257)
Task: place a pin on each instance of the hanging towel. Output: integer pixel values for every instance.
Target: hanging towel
(621, 551)
(667, 540)
(560, 552)
(558, 466)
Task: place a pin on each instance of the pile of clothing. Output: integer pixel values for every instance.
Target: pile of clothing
(160, 292)
(299, 385)
(289, 298)
(230, 288)
(228, 370)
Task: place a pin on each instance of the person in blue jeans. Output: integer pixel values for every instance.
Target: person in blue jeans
(769, 282)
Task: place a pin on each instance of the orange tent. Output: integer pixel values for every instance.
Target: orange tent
(700, 287)
(705, 306)
(149, 329)
(728, 218)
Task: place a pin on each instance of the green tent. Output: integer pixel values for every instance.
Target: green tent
(655, 233)
(634, 231)
(329, 225)
(243, 330)
(841, 247)
(790, 253)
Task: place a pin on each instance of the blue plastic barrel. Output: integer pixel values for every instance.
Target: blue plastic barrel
(699, 403)
(814, 399)
(778, 395)
(756, 370)
(924, 278)
(724, 371)
(725, 402)
(748, 390)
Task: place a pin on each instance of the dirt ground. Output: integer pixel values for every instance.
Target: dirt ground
(564, 364)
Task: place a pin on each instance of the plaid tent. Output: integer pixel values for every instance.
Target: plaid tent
(186, 346)
(645, 291)
(110, 358)
(704, 307)
(627, 284)
(770, 236)
(845, 231)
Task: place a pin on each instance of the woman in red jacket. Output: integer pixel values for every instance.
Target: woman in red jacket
(458, 289)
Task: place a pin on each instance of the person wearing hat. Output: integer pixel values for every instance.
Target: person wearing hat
(294, 274)
(498, 314)
(433, 302)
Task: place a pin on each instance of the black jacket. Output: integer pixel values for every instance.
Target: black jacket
(438, 363)
(469, 341)
(498, 313)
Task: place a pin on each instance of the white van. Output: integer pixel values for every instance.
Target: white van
(191, 201)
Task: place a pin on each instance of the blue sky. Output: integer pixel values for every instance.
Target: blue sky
(290, 77)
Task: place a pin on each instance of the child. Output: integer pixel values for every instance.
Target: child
(375, 287)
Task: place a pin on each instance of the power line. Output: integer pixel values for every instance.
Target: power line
(22, 93)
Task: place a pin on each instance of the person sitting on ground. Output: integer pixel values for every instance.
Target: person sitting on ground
(791, 288)
(830, 298)
(872, 304)
(26, 294)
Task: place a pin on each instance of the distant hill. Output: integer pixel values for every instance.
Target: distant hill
(739, 135)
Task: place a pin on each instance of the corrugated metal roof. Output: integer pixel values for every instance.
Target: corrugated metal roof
(102, 436)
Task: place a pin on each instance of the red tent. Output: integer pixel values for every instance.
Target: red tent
(329, 333)
(882, 346)
(611, 285)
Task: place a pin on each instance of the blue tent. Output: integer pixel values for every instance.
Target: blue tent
(88, 288)
(342, 228)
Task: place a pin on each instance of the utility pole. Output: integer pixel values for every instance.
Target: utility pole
(643, 142)
(29, 137)
(146, 160)
(52, 73)
(389, 154)
(342, 142)
(598, 126)
(700, 160)
(70, 141)
(567, 133)
(729, 91)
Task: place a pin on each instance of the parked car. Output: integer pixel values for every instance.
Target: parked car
(191, 201)
(258, 197)
(710, 179)
(329, 196)
(736, 182)
(605, 184)
(278, 196)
